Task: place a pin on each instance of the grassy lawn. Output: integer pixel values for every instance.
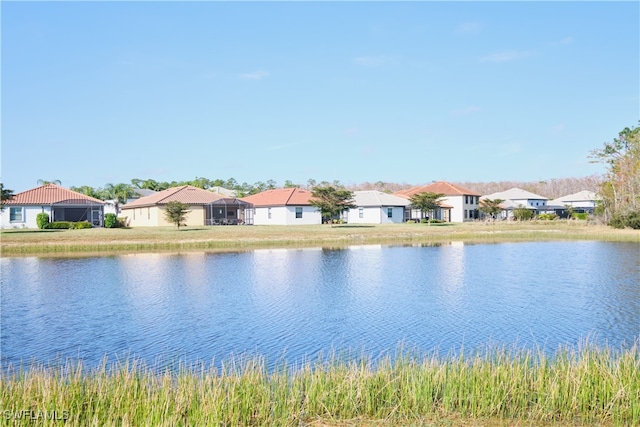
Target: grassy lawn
(101, 240)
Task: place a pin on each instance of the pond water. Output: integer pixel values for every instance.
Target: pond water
(301, 303)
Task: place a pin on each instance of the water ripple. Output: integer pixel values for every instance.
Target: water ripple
(300, 304)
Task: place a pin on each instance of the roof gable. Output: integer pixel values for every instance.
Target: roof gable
(51, 194)
(442, 187)
(184, 194)
(378, 198)
(280, 197)
(515, 194)
(580, 196)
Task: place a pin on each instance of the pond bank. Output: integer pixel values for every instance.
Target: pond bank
(232, 238)
(591, 386)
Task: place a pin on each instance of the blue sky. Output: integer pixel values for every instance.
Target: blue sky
(410, 92)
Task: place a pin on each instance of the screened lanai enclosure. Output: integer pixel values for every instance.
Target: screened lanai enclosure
(78, 212)
(228, 211)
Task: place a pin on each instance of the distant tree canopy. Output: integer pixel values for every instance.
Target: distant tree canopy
(5, 195)
(176, 213)
(490, 207)
(620, 190)
(426, 202)
(331, 201)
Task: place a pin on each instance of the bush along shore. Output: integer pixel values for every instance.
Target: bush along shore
(585, 386)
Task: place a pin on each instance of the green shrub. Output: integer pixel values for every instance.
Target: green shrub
(522, 214)
(110, 221)
(42, 219)
(424, 220)
(631, 220)
(59, 225)
(436, 221)
(67, 225)
(580, 215)
(122, 222)
(547, 216)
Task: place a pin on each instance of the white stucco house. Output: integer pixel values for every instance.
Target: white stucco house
(283, 206)
(376, 207)
(515, 198)
(458, 204)
(583, 201)
(60, 203)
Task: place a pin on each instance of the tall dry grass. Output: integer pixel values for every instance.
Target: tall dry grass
(588, 385)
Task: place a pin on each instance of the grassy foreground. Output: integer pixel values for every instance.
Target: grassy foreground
(587, 386)
(100, 240)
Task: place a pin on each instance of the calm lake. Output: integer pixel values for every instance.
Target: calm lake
(301, 303)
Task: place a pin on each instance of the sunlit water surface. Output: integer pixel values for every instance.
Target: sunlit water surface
(297, 304)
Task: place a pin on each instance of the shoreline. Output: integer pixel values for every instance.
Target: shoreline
(499, 386)
(104, 242)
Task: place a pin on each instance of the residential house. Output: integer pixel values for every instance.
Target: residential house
(60, 203)
(458, 204)
(284, 206)
(376, 207)
(515, 198)
(205, 208)
(583, 201)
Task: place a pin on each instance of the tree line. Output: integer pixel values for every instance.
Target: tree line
(619, 188)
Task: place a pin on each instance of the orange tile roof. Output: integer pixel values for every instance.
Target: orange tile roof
(185, 194)
(280, 197)
(443, 187)
(51, 194)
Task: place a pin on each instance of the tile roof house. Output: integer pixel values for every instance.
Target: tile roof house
(60, 203)
(284, 206)
(376, 207)
(205, 208)
(458, 204)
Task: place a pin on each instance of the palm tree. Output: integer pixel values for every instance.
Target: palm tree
(5, 194)
(119, 193)
(55, 181)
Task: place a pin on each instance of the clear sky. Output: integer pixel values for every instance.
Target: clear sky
(410, 92)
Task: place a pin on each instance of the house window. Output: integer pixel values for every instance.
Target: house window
(466, 214)
(269, 213)
(299, 212)
(16, 214)
(360, 212)
(389, 212)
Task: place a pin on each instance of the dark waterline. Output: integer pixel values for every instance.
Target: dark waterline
(297, 304)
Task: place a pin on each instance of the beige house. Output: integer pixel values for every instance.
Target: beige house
(205, 208)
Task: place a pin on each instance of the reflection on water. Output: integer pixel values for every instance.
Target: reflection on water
(299, 303)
